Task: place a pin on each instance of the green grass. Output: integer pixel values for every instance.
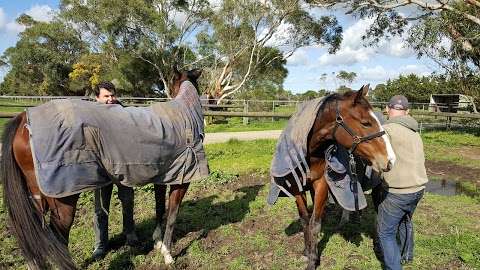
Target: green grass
(236, 124)
(241, 157)
(452, 146)
(224, 223)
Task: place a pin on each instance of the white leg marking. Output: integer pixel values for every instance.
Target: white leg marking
(165, 252)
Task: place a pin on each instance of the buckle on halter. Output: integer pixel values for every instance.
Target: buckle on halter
(357, 140)
(339, 119)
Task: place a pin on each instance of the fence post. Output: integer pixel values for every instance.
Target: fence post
(245, 110)
(273, 110)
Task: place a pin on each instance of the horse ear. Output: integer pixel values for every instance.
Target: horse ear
(362, 93)
(176, 73)
(195, 73)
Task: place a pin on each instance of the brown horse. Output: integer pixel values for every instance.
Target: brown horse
(41, 244)
(348, 120)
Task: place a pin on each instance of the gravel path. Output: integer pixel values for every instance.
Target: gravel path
(220, 137)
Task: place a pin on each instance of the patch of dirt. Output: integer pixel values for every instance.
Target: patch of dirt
(470, 152)
(449, 170)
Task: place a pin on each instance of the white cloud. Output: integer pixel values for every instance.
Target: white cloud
(281, 36)
(298, 58)
(419, 70)
(346, 56)
(42, 13)
(380, 74)
(39, 13)
(377, 73)
(14, 28)
(352, 49)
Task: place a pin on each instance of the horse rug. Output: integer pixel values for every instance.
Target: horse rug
(291, 150)
(79, 145)
(339, 179)
(289, 158)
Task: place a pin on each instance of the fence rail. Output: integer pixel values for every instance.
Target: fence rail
(287, 115)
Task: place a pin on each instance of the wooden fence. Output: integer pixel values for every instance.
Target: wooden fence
(274, 109)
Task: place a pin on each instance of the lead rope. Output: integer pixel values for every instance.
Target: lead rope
(354, 180)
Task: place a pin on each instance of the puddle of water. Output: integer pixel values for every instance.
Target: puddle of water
(448, 188)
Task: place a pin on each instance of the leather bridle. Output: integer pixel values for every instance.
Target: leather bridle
(356, 141)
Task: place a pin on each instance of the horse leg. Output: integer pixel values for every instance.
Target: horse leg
(301, 201)
(160, 192)
(62, 214)
(321, 194)
(345, 218)
(177, 192)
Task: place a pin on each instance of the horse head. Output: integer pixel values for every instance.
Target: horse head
(349, 120)
(180, 76)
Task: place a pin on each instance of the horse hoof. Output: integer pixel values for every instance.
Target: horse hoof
(169, 259)
(132, 239)
(311, 266)
(158, 245)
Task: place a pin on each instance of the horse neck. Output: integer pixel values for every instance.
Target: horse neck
(187, 95)
(322, 129)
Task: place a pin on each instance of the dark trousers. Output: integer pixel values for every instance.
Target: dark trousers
(102, 207)
(394, 217)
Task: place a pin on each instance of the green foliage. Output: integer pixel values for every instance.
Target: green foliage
(419, 89)
(42, 59)
(346, 77)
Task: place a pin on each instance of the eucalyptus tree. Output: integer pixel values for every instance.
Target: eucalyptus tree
(42, 58)
(236, 45)
(346, 77)
(157, 32)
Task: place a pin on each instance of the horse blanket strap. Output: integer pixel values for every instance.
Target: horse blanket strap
(291, 150)
(79, 145)
(341, 177)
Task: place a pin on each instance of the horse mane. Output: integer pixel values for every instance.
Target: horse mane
(336, 96)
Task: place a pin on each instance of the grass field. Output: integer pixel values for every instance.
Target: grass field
(224, 222)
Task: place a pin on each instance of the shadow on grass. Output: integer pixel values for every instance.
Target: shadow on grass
(196, 217)
(353, 231)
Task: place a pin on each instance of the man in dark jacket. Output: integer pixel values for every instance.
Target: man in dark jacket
(105, 93)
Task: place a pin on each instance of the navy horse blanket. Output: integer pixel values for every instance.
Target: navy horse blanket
(79, 145)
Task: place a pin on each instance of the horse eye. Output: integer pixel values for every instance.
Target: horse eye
(366, 124)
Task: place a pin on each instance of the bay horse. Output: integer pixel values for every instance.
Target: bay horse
(45, 245)
(347, 120)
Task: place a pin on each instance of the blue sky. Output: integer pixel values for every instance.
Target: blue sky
(305, 66)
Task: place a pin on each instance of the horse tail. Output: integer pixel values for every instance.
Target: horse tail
(37, 241)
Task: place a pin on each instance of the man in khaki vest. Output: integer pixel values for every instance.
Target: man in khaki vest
(403, 186)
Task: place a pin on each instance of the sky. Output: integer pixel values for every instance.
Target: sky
(373, 65)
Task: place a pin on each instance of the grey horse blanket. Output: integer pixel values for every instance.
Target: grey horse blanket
(338, 176)
(291, 150)
(80, 145)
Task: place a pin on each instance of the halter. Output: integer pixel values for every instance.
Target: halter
(356, 141)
